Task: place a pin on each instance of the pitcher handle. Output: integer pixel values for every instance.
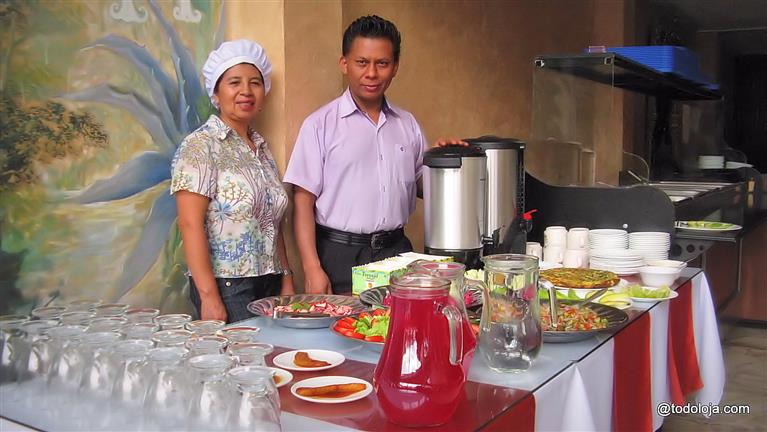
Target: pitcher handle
(454, 320)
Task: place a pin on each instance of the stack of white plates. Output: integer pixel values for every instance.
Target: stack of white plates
(620, 261)
(601, 239)
(651, 245)
(710, 162)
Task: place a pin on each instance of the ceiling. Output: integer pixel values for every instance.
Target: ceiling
(742, 24)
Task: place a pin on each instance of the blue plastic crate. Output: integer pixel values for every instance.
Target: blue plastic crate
(675, 60)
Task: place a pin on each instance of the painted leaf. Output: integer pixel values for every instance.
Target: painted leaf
(188, 78)
(150, 244)
(163, 131)
(137, 175)
(161, 86)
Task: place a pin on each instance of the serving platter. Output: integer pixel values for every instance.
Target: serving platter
(707, 226)
(265, 307)
(615, 318)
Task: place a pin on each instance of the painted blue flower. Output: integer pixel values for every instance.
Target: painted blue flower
(168, 116)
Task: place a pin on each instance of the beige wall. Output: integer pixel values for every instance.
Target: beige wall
(465, 71)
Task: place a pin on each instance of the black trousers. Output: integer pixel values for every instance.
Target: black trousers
(237, 293)
(338, 259)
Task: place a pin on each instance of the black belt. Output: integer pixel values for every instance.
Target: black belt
(376, 240)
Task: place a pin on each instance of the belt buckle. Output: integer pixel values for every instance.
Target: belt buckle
(378, 240)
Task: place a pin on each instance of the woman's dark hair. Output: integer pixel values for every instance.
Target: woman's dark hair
(372, 26)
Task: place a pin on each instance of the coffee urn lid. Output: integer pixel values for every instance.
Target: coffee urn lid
(489, 142)
(450, 156)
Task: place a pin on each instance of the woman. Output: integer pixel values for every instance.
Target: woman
(229, 195)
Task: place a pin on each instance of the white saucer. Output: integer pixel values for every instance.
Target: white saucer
(673, 295)
(285, 360)
(331, 380)
(285, 377)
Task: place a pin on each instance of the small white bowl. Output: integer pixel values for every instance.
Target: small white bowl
(656, 276)
(666, 263)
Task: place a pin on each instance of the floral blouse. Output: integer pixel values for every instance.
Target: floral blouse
(247, 200)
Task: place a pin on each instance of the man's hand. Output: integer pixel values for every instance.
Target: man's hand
(213, 309)
(441, 142)
(317, 282)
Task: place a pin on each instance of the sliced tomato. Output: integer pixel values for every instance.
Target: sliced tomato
(379, 312)
(348, 320)
(356, 335)
(374, 338)
(344, 325)
(364, 315)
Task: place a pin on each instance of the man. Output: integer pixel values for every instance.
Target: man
(356, 166)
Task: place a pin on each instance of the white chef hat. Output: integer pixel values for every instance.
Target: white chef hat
(232, 53)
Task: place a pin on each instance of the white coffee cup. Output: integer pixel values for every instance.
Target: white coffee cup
(576, 258)
(534, 248)
(555, 236)
(553, 254)
(578, 238)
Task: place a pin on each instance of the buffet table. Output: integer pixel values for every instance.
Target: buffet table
(668, 352)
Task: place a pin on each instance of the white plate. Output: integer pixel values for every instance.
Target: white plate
(683, 226)
(673, 295)
(285, 360)
(285, 376)
(331, 380)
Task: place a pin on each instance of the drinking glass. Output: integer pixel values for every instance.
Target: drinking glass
(132, 380)
(106, 324)
(66, 366)
(167, 396)
(239, 334)
(172, 321)
(111, 309)
(254, 407)
(199, 345)
(212, 393)
(143, 331)
(171, 338)
(10, 327)
(141, 315)
(32, 366)
(48, 312)
(80, 317)
(250, 354)
(98, 373)
(205, 327)
(82, 305)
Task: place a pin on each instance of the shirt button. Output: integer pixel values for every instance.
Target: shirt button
(228, 283)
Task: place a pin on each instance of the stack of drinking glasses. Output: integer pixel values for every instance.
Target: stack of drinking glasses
(90, 365)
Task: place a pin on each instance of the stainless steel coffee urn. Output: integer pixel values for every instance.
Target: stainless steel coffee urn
(473, 198)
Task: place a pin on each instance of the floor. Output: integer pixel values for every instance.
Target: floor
(745, 356)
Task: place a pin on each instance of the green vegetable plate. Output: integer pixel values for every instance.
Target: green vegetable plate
(642, 294)
(706, 226)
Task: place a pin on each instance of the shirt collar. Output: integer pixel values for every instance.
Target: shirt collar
(221, 130)
(348, 106)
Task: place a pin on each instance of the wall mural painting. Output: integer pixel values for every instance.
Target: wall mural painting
(95, 96)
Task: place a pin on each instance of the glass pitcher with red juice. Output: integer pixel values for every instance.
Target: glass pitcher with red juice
(419, 378)
(454, 272)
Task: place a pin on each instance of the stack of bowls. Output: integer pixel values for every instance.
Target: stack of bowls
(650, 245)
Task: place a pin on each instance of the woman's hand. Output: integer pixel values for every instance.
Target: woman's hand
(287, 285)
(317, 282)
(213, 309)
(441, 142)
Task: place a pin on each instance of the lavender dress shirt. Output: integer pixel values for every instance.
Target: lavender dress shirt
(363, 174)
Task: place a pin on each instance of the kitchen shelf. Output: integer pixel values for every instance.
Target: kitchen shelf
(626, 74)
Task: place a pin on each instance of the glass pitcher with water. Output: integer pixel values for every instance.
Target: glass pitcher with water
(510, 330)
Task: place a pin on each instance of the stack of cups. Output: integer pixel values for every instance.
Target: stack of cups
(554, 244)
(577, 253)
(569, 248)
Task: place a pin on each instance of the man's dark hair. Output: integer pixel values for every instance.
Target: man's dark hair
(372, 26)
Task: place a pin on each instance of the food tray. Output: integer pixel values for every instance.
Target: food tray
(265, 308)
(615, 318)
